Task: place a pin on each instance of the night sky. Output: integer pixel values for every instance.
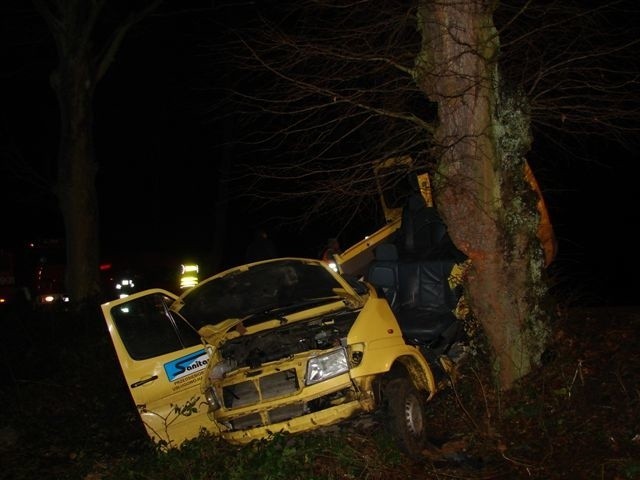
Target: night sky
(157, 140)
(157, 147)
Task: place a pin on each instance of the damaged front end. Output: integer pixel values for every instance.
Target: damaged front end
(280, 365)
(284, 378)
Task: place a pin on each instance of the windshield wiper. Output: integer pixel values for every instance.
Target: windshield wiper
(280, 312)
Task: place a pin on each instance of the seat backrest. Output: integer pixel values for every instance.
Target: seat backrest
(425, 284)
(422, 228)
(383, 271)
(423, 234)
(386, 252)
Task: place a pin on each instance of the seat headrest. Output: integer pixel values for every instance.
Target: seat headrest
(386, 252)
(416, 203)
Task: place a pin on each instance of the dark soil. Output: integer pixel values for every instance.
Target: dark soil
(67, 414)
(577, 417)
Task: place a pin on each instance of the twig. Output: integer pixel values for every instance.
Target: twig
(484, 399)
(461, 405)
(619, 378)
(520, 463)
(575, 375)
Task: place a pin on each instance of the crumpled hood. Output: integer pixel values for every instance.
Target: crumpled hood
(232, 328)
(267, 293)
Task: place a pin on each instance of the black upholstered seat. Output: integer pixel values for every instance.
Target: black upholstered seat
(383, 271)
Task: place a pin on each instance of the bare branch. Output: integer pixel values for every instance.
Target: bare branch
(325, 88)
(106, 56)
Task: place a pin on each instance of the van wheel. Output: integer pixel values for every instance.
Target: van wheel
(406, 416)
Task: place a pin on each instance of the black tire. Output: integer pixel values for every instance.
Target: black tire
(405, 416)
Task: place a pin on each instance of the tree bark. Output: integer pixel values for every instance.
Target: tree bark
(490, 209)
(76, 189)
(81, 66)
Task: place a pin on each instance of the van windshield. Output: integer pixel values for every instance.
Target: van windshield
(259, 288)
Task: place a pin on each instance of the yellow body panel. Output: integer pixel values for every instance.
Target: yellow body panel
(375, 333)
(546, 234)
(172, 409)
(305, 423)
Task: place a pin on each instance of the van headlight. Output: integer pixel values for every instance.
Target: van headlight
(327, 365)
(212, 398)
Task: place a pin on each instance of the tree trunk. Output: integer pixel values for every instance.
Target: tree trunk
(481, 191)
(73, 84)
(83, 60)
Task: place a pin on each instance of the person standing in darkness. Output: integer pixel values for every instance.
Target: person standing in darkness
(260, 248)
(332, 247)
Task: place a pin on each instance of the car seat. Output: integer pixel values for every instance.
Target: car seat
(383, 271)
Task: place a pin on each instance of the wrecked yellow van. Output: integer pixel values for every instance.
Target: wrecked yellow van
(290, 345)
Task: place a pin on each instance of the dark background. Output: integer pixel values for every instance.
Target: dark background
(158, 143)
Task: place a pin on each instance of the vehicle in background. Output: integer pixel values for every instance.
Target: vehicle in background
(32, 273)
(44, 263)
(126, 273)
(10, 291)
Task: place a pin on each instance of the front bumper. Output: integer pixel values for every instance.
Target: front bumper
(275, 398)
(304, 423)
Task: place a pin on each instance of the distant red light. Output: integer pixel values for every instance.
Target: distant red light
(105, 266)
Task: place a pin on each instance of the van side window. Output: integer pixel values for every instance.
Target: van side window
(148, 329)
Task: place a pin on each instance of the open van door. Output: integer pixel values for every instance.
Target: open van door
(391, 177)
(163, 360)
(388, 174)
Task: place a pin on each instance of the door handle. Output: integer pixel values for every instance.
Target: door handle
(139, 383)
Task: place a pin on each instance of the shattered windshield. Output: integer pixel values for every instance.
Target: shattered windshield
(260, 288)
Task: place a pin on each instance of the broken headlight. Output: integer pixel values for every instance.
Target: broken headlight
(220, 369)
(327, 365)
(212, 398)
